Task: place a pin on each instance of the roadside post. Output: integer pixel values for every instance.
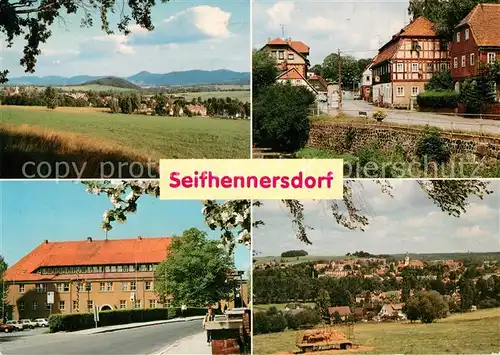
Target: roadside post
(96, 315)
(50, 301)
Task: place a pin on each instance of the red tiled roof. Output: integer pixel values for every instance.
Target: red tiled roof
(89, 252)
(386, 52)
(321, 80)
(291, 74)
(484, 21)
(342, 310)
(298, 46)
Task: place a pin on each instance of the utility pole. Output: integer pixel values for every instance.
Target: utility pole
(340, 80)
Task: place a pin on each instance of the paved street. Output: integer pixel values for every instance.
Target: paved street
(352, 107)
(140, 341)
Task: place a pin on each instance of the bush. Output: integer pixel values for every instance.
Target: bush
(438, 99)
(293, 253)
(280, 118)
(426, 306)
(488, 303)
(271, 321)
(80, 321)
(431, 147)
(302, 319)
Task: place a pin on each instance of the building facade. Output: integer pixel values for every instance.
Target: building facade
(476, 43)
(109, 274)
(289, 54)
(406, 63)
(366, 84)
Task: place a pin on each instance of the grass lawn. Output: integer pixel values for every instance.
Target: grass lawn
(470, 333)
(75, 134)
(243, 96)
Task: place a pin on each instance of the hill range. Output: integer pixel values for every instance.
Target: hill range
(144, 78)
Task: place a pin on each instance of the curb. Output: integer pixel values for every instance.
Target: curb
(165, 350)
(141, 325)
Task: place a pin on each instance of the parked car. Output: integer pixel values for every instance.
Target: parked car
(17, 324)
(29, 323)
(7, 328)
(42, 322)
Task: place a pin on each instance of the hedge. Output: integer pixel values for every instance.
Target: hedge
(274, 321)
(80, 321)
(438, 99)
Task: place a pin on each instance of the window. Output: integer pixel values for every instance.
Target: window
(472, 59)
(102, 286)
(455, 62)
(119, 268)
(137, 304)
(107, 269)
(414, 67)
(34, 305)
(281, 55)
(88, 286)
(124, 286)
(59, 287)
(444, 66)
(400, 91)
(66, 287)
(47, 306)
(38, 288)
(148, 285)
(492, 57)
(414, 91)
(109, 286)
(463, 61)
(90, 305)
(458, 37)
(113, 268)
(123, 304)
(290, 56)
(131, 268)
(367, 78)
(152, 303)
(75, 305)
(466, 34)
(21, 305)
(21, 288)
(400, 67)
(430, 67)
(132, 286)
(143, 267)
(61, 305)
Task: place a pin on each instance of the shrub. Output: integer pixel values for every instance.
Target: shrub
(426, 306)
(280, 117)
(303, 318)
(438, 99)
(488, 303)
(271, 321)
(293, 253)
(379, 115)
(431, 147)
(440, 81)
(80, 321)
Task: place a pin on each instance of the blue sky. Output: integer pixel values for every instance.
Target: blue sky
(328, 25)
(407, 222)
(59, 211)
(198, 34)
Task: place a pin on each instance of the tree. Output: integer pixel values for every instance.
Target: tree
(33, 19)
(351, 72)
(337, 318)
(440, 81)
(50, 97)
(426, 306)
(264, 71)
(323, 302)
(195, 272)
(317, 69)
(406, 291)
(3, 288)
(466, 294)
(280, 117)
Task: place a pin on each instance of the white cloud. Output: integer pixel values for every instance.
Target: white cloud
(212, 21)
(118, 43)
(280, 14)
(471, 232)
(479, 211)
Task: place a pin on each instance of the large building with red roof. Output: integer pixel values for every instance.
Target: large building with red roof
(406, 63)
(476, 42)
(110, 274)
(289, 54)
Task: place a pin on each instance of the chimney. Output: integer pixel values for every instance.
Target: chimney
(45, 241)
(139, 237)
(89, 239)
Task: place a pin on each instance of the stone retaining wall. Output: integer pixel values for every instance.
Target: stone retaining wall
(343, 138)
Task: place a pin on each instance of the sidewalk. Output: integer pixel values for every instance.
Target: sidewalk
(194, 344)
(114, 328)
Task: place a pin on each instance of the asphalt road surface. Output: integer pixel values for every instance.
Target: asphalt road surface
(137, 341)
(447, 122)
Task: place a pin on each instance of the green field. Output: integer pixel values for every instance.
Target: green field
(240, 95)
(470, 333)
(152, 136)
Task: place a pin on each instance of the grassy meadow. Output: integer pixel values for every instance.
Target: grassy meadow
(469, 333)
(77, 134)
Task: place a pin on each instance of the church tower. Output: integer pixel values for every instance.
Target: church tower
(407, 259)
